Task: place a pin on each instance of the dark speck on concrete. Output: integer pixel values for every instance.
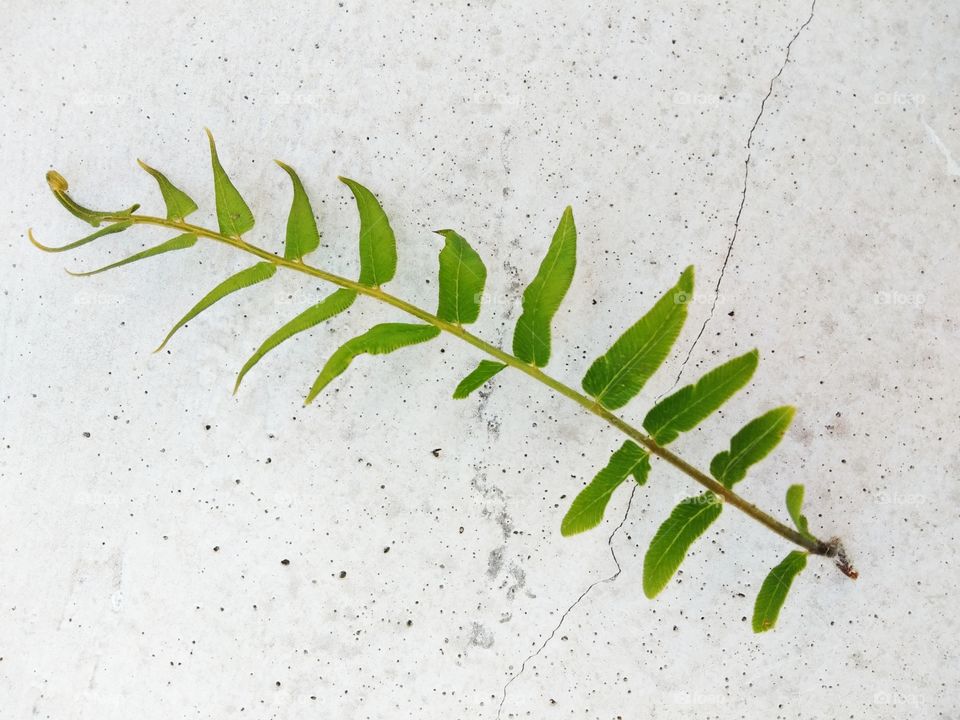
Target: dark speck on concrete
(284, 562)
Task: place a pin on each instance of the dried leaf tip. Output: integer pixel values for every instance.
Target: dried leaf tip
(57, 182)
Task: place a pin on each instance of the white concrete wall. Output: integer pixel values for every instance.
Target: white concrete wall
(121, 471)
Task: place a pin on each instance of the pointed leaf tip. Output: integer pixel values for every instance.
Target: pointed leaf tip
(617, 376)
(688, 407)
(378, 245)
(107, 230)
(752, 443)
(588, 507)
(245, 278)
(233, 213)
(303, 237)
(483, 373)
(330, 306)
(378, 340)
(543, 296)
(178, 203)
(794, 502)
(181, 242)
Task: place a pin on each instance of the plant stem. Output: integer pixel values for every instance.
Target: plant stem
(813, 546)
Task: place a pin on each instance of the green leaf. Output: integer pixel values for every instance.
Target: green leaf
(774, 590)
(378, 246)
(587, 509)
(483, 372)
(688, 521)
(59, 186)
(178, 203)
(751, 445)
(245, 278)
(462, 277)
(542, 298)
(332, 305)
(378, 340)
(794, 506)
(181, 242)
(615, 377)
(691, 405)
(108, 230)
(302, 234)
(233, 214)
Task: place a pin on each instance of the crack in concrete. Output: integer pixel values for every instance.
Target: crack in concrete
(743, 194)
(611, 578)
(713, 307)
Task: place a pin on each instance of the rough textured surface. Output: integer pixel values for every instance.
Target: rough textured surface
(146, 512)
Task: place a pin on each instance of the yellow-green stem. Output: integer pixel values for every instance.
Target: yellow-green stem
(814, 546)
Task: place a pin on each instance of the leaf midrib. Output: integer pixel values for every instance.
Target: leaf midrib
(629, 365)
(677, 536)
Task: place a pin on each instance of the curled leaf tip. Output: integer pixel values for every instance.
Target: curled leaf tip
(57, 182)
(36, 243)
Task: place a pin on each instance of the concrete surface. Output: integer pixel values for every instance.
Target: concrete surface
(145, 511)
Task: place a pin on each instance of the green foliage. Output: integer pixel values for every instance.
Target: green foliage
(691, 405)
(688, 521)
(331, 305)
(233, 214)
(108, 230)
(245, 278)
(751, 445)
(181, 242)
(588, 507)
(483, 372)
(542, 298)
(617, 376)
(378, 340)
(378, 246)
(462, 277)
(302, 234)
(611, 381)
(178, 203)
(774, 591)
(794, 507)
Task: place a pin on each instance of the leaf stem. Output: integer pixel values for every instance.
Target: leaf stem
(810, 544)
